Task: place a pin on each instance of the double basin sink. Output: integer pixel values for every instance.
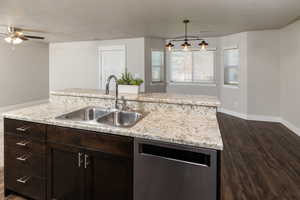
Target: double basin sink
(98, 115)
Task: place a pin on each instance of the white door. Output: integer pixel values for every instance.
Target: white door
(112, 61)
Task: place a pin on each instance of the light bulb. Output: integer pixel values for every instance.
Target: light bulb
(8, 39)
(169, 46)
(17, 40)
(185, 48)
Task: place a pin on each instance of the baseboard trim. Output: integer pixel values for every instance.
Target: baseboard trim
(22, 105)
(263, 118)
(233, 113)
(289, 125)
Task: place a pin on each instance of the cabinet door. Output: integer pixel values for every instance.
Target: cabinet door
(65, 172)
(109, 177)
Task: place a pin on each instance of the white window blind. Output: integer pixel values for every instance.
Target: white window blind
(192, 66)
(231, 66)
(157, 63)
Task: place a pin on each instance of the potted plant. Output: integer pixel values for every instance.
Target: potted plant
(129, 84)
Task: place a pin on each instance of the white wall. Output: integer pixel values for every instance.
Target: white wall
(234, 98)
(270, 76)
(24, 73)
(209, 89)
(76, 64)
(153, 44)
(263, 57)
(290, 74)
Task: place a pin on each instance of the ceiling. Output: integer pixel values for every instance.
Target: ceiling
(75, 20)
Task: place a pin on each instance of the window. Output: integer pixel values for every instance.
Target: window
(157, 63)
(192, 66)
(231, 67)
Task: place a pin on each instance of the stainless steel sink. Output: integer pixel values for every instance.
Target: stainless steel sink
(121, 118)
(103, 116)
(85, 114)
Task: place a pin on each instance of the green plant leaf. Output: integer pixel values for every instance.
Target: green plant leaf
(127, 79)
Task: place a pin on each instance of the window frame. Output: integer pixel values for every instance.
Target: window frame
(200, 83)
(233, 86)
(162, 67)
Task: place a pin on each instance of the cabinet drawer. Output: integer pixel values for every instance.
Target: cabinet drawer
(23, 144)
(31, 130)
(107, 143)
(26, 185)
(32, 164)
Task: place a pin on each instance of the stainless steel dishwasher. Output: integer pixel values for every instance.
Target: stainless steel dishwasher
(164, 171)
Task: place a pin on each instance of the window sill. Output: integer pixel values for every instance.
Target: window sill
(195, 84)
(157, 83)
(231, 86)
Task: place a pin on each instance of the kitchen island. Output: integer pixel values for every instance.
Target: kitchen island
(178, 138)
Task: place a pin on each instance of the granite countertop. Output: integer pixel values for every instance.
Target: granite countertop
(193, 129)
(199, 100)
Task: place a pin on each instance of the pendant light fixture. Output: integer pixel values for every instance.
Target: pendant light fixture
(169, 46)
(186, 39)
(203, 45)
(186, 44)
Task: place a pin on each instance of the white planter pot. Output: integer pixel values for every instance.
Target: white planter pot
(129, 89)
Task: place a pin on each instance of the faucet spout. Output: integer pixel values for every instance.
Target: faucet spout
(117, 85)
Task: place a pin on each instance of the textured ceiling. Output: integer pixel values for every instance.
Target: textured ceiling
(73, 20)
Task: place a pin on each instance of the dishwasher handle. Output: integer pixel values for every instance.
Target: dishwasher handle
(174, 154)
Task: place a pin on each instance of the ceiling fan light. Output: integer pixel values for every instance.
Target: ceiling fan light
(8, 39)
(17, 40)
(203, 45)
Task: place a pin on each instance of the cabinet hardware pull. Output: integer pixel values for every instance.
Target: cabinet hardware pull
(86, 161)
(23, 180)
(23, 143)
(80, 161)
(23, 128)
(22, 158)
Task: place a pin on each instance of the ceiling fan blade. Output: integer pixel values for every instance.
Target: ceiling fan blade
(23, 38)
(34, 37)
(33, 30)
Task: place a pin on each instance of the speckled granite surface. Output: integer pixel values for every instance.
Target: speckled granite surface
(188, 128)
(199, 100)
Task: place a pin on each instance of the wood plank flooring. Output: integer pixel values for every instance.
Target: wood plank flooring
(260, 161)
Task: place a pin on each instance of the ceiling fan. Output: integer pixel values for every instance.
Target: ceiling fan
(16, 35)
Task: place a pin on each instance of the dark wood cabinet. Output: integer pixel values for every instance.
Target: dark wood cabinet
(65, 172)
(108, 177)
(88, 165)
(25, 158)
(58, 163)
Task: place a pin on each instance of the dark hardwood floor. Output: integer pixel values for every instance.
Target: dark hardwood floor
(260, 161)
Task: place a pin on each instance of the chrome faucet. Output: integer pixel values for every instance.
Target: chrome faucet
(117, 85)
